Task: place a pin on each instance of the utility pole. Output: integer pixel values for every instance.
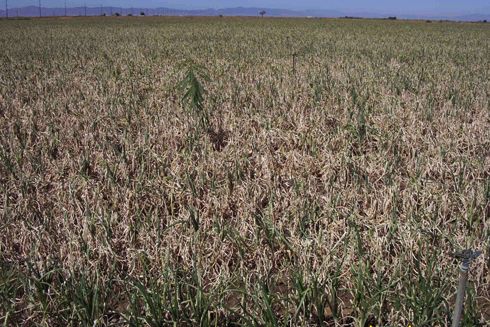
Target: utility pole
(85, 8)
(6, 8)
(40, 10)
(65, 9)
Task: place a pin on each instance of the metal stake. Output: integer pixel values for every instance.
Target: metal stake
(466, 257)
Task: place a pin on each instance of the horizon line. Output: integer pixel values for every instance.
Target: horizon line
(335, 13)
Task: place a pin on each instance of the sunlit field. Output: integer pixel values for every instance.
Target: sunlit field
(313, 172)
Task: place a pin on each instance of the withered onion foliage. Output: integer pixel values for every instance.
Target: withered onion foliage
(331, 194)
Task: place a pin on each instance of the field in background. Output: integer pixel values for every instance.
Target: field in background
(328, 192)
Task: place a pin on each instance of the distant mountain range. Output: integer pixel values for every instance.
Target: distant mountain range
(33, 11)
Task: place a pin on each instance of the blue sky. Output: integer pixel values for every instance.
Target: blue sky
(380, 6)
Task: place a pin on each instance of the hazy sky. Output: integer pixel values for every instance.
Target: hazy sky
(382, 6)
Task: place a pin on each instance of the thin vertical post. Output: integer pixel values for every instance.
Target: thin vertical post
(294, 62)
(85, 8)
(466, 257)
(458, 307)
(65, 9)
(40, 10)
(6, 9)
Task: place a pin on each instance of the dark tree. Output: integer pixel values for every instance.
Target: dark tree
(142, 13)
(262, 13)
